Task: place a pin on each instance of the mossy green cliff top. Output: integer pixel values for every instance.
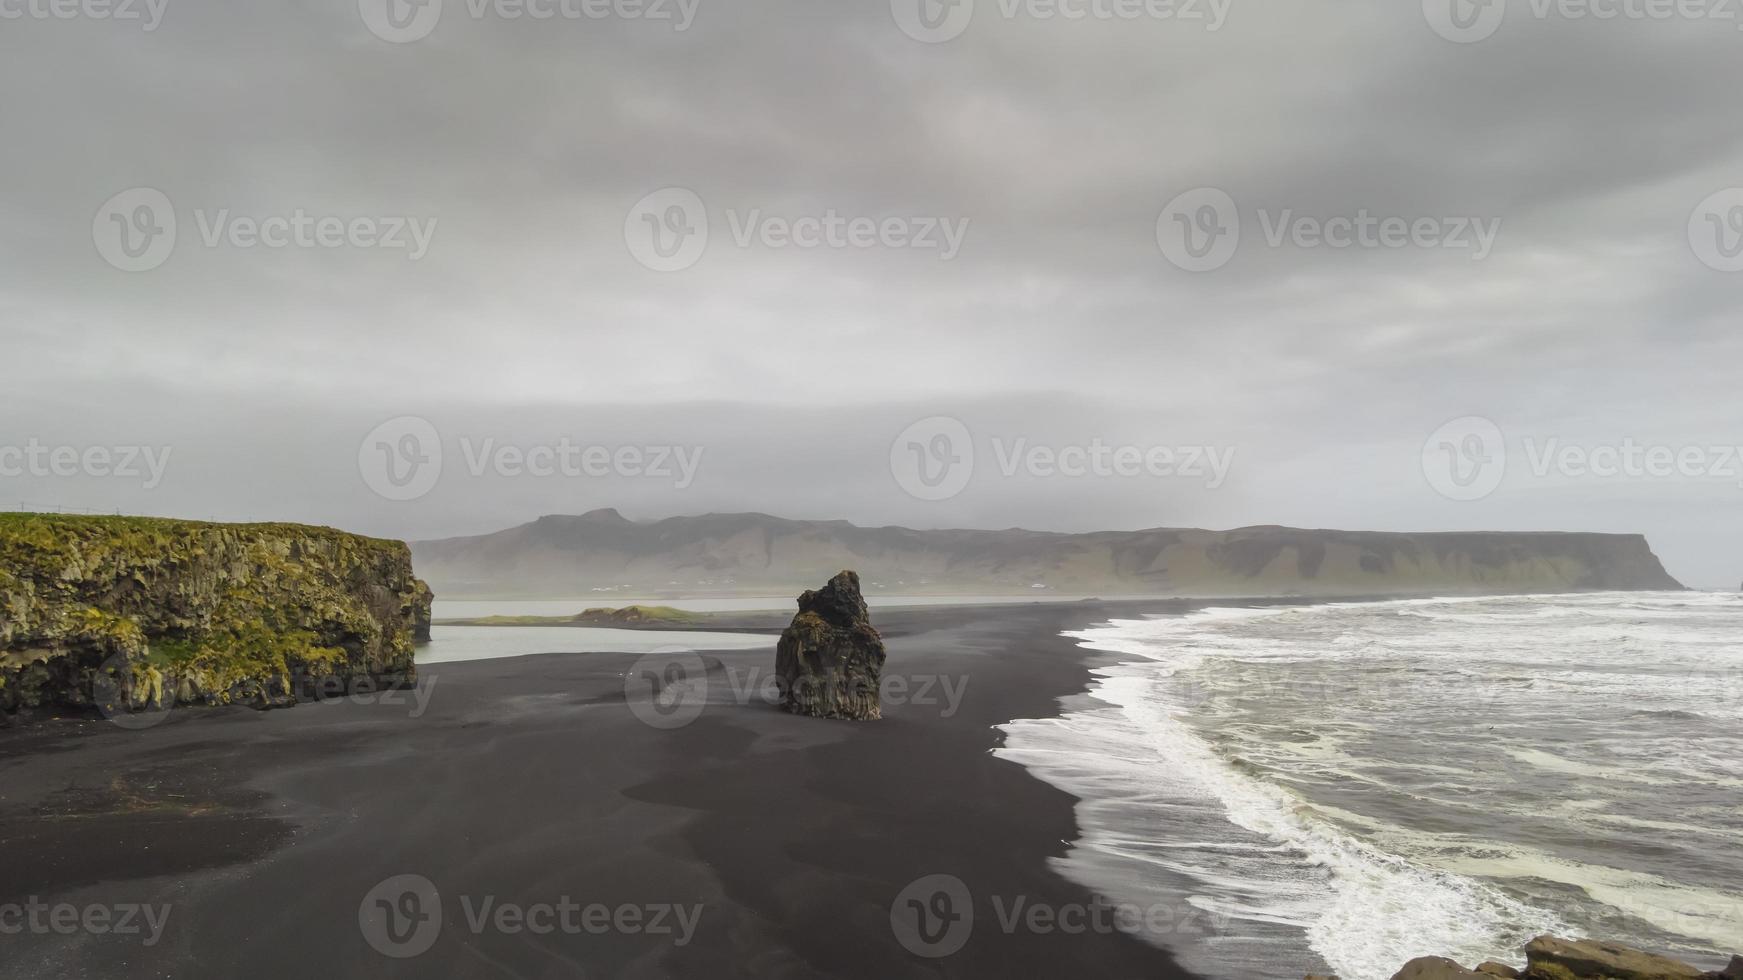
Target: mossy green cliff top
(129, 613)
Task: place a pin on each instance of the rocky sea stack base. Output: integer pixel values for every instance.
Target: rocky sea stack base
(830, 661)
(1549, 958)
(123, 614)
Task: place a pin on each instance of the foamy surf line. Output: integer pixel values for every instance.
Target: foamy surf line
(1171, 807)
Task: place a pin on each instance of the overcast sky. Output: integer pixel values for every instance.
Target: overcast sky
(578, 231)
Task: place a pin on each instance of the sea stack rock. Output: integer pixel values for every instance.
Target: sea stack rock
(831, 659)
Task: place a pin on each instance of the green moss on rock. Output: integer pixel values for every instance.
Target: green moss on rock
(129, 613)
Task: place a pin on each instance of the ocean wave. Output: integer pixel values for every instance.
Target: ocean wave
(1368, 762)
(1672, 714)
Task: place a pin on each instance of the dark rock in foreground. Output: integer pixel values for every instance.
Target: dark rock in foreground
(1549, 958)
(1435, 968)
(831, 659)
(131, 614)
(1589, 958)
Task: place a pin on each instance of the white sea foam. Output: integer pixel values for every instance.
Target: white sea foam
(1353, 784)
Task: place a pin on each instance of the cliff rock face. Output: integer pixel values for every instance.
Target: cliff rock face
(128, 614)
(830, 660)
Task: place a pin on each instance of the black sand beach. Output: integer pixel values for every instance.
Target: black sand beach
(530, 782)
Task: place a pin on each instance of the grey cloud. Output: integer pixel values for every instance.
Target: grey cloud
(1060, 142)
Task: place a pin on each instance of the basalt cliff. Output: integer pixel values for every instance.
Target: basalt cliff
(122, 615)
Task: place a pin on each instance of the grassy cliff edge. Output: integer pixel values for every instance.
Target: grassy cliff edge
(123, 614)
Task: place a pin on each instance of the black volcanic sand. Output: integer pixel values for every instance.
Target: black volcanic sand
(531, 780)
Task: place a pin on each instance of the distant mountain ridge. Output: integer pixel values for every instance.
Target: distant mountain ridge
(759, 554)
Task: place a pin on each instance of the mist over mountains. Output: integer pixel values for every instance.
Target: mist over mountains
(602, 551)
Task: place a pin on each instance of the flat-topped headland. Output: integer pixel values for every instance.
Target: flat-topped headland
(131, 614)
